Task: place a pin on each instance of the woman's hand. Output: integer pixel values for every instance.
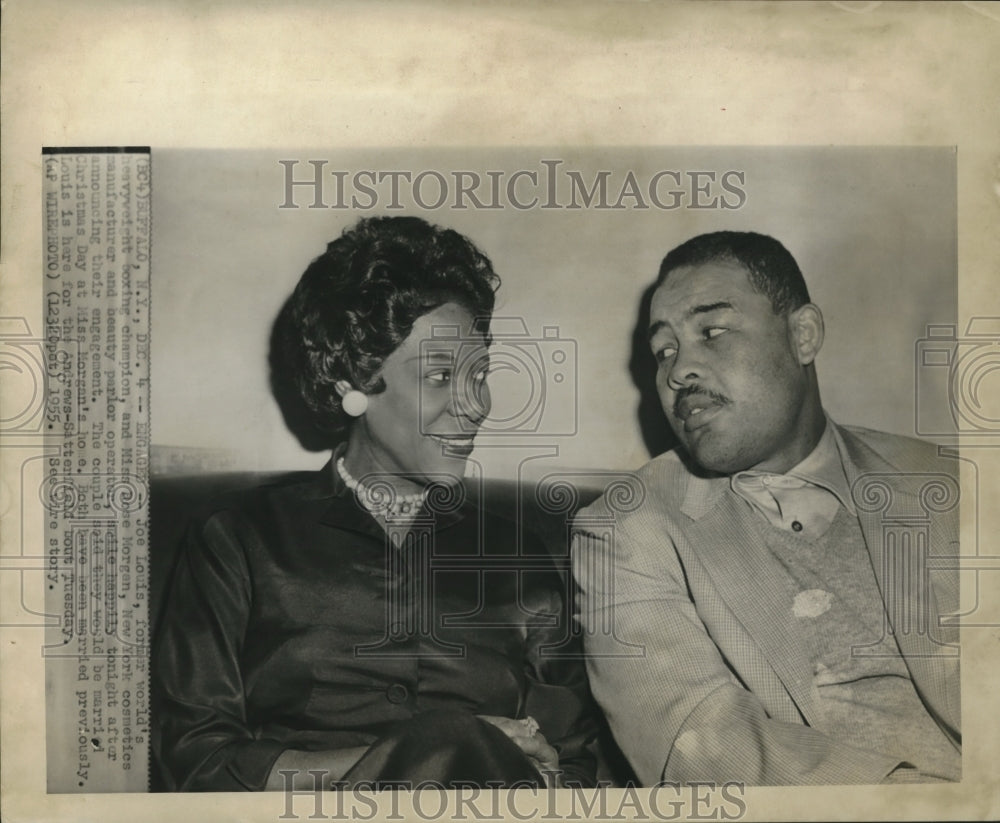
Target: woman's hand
(532, 742)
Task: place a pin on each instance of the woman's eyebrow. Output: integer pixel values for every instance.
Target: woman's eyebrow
(434, 357)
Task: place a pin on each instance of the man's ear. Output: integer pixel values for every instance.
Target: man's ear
(805, 326)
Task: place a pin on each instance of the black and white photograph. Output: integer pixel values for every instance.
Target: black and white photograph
(508, 327)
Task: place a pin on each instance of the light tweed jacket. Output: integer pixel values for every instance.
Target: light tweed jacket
(700, 675)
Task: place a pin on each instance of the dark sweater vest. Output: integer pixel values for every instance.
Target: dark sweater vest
(866, 695)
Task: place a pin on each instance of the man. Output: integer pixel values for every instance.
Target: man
(769, 613)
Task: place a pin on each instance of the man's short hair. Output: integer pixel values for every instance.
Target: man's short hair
(770, 267)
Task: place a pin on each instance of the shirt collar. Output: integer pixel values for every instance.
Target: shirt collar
(824, 466)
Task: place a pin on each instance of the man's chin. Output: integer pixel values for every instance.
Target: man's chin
(712, 457)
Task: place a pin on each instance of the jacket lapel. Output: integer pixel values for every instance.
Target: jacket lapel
(735, 555)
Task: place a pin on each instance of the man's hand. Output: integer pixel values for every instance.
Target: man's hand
(531, 741)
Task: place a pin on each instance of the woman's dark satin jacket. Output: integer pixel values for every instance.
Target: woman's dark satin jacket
(292, 624)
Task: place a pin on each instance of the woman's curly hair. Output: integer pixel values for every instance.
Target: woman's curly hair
(356, 303)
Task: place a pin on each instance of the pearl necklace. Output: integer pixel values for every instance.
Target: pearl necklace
(374, 501)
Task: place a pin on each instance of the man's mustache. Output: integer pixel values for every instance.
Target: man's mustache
(713, 398)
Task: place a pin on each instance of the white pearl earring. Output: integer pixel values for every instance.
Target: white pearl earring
(355, 403)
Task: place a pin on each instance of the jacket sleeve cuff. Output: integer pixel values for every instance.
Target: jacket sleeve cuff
(237, 766)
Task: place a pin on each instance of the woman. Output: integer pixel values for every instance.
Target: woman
(363, 621)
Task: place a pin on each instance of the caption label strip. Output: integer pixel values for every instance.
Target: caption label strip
(95, 487)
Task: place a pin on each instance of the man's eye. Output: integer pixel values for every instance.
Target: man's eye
(442, 376)
(714, 331)
(664, 353)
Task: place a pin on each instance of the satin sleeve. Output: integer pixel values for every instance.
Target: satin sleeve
(204, 741)
(558, 693)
